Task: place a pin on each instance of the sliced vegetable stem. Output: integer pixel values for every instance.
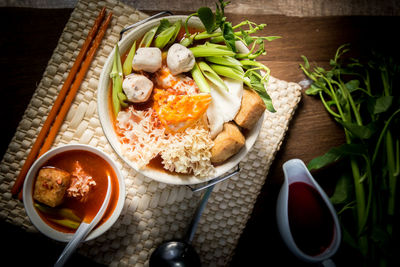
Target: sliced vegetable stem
(382, 134)
(218, 38)
(200, 51)
(148, 37)
(212, 76)
(200, 79)
(117, 75)
(391, 173)
(352, 104)
(228, 72)
(66, 223)
(127, 67)
(335, 98)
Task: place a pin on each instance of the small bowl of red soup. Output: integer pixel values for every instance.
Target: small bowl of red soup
(69, 183)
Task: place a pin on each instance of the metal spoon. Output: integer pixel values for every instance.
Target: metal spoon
(180, 252)
(84, 229)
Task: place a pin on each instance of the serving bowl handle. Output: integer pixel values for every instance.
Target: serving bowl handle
(169, 13)
(215, 181)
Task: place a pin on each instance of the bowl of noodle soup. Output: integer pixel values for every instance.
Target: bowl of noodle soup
(194, 137)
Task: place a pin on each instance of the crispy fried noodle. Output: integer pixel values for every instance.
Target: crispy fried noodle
(143, 138)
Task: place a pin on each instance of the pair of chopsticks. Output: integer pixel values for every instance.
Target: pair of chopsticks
(65, 97)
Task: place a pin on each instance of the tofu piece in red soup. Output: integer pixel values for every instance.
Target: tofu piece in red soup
(51, 185)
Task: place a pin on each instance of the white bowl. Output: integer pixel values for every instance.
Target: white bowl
(35, 218)
(105, 114)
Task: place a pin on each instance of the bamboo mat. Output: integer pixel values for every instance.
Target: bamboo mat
(153, 212)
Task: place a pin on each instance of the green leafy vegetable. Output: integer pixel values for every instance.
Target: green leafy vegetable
(164, 24)
(257, 82)
(207, 17)
(229, 36)
(219, 30)
(360, 95)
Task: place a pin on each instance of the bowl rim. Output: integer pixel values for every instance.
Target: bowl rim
(28, 201)
(104, 111)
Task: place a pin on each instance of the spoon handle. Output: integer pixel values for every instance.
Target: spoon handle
(79, 235)
(84, 229)
(196, 218)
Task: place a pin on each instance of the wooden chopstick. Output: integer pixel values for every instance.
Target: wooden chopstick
(75, 86)
(59, 102)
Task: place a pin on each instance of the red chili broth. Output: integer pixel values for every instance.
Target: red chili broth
(96, 167)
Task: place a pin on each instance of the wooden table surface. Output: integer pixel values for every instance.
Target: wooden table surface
(29, 36)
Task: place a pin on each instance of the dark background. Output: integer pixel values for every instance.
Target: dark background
(29, 36)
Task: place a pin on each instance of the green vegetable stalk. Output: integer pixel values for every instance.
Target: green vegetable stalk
(67, 217)
(224, 60)
(360, 97)
(200, 80)
(212, 76)
(148, 37)
(204, 51)
(229, 72)
(118, 97)
(66, 223)
(225, 56)
(127, 67)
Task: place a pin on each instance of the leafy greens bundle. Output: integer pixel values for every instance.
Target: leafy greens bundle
(361, 96)
(222, 38)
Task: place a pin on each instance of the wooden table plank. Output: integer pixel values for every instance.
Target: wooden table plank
(28, 37)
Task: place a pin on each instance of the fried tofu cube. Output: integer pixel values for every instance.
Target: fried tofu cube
(51, 185)
(251, 109)
(227, 143)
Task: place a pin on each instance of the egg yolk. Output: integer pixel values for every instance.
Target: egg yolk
(177, 112)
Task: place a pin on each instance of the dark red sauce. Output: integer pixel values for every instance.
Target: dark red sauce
(310, 221)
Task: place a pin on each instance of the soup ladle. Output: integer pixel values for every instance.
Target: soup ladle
(180, 253)
(84, 229)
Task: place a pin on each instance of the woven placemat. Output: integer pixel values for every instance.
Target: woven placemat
(153, 212)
